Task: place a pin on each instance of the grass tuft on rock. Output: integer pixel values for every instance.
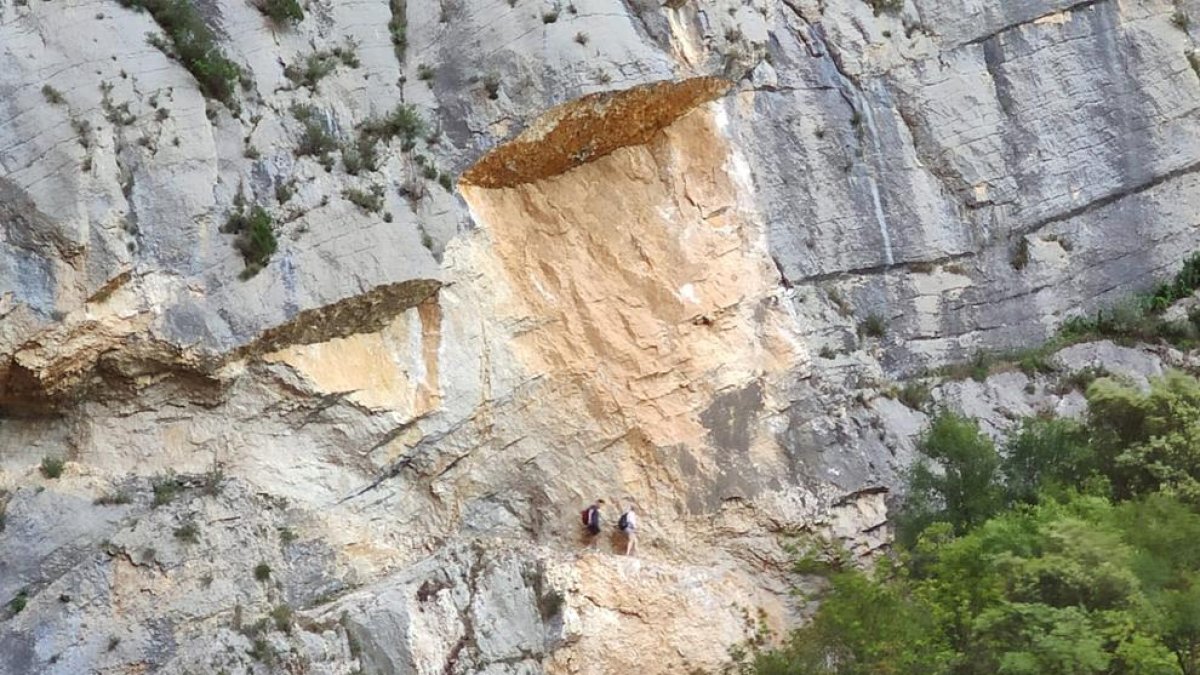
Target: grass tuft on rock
(51, 467)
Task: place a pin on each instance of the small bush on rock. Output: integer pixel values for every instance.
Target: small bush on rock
(404, 122)
(873, 326)
(316, 67)
(255, 232)
(52, 95)
(166, 488)
(370, 201)
(316, 139)
(262, 571)
(19, 601)
(282, 11)
(51, 467)
(881, 6)
(187, 533)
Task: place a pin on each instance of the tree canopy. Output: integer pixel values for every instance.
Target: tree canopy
(1075, 550)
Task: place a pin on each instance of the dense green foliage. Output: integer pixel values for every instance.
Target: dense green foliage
(961, 491)
(1076, 550)
(1186, 281)
(283, 11)
(195, 45)
(51, 467)
(398, 28)
(404, 122)
(255, 230)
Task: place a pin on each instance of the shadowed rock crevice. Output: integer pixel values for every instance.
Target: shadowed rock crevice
(57, 365)
(364, 313)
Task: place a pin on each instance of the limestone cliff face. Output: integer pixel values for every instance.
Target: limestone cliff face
(629, 255)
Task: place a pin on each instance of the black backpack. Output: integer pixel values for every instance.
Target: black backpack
(623, 522)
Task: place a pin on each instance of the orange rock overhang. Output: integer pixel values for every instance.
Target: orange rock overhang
(587, 128)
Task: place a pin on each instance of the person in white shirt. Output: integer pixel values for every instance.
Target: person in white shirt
(628, 524)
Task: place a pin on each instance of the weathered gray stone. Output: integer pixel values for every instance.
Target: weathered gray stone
(412, 405)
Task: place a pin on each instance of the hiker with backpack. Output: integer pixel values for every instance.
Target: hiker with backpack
(591, 522)
(628, 524)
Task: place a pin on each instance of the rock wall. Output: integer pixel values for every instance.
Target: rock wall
(664, 253)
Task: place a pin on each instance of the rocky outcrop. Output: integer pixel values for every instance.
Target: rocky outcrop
(527, 256)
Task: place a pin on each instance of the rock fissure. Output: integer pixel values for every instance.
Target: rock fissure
(1083, 4)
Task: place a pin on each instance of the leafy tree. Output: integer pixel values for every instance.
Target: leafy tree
(866, 626)
(954, 481)
(1077, 554)
(1146, 441)
(1165, 534)
(1046, 455)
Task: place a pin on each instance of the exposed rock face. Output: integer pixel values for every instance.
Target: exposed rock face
(647, 280)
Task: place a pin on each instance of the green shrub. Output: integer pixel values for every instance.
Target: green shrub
(361, 155)
(881, 6)
(262, 571)
(315, 139)
(1046, 455)
(211, 485)
(282, 616)
(285, 191)
(1020, 255)
(491, 86)
(873, 326)
(348, 55)
(261, 651)
(258, 242)
(188, 533)
(369, 201)
(1186, 281)
(287, 536)
(255, 232)
(1146, 441)
(52, 95)
(166, 488)
(282, 11)
(403, 122)
(51, 467)
(398, 28)
(1091, 564)
(195, 44)
(316, 66)
(19, 601)
(963, 491)
(914, 394)
(839, 301)
(113, 498)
